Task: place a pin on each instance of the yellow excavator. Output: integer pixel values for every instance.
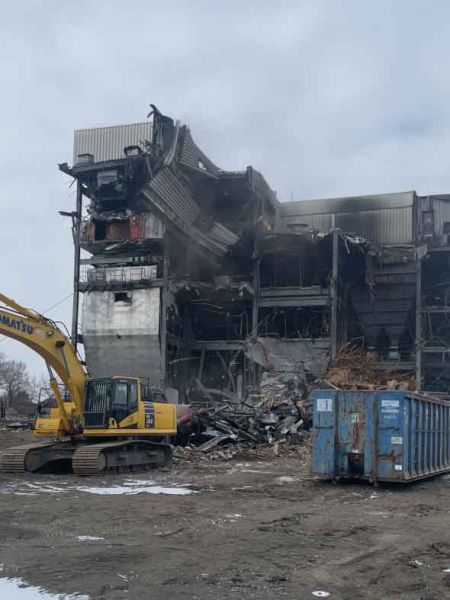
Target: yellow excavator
(99, 425)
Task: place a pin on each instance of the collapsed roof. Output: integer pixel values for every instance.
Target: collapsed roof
(170, 176)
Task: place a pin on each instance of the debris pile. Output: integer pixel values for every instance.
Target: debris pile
(272, 415)
(358, 369)
(245, 451)
(278, 413)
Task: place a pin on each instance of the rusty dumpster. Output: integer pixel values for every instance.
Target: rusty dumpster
(394, 436)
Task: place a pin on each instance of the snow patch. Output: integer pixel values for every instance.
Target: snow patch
(132, 486)
(136, 488)
(17, 589)
(257, 471)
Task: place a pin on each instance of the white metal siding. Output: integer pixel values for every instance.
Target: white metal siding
(107, 143)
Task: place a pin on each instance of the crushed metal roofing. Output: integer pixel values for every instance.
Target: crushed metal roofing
(174, 186)
(182, 185)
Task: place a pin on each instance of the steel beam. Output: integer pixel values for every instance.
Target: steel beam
(76, 229)
(418, 343)
(334, 294)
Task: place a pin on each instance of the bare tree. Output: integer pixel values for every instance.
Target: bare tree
(14, 380)
(39, 388)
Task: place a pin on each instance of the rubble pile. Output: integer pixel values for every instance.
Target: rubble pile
(245, 451)
(278, 413)
(272, 415)
(358, 369)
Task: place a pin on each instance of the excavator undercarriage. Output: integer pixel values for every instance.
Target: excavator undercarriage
(119, 456)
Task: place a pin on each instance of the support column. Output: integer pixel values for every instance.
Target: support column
(163, 328)
(255, 306)
(253, 367)
(334, 293)
(76, 230)
(418, 341)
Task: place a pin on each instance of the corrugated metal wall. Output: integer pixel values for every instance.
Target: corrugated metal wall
(173, 197)
(441, 209)
(384, 219)
(385, 226)
(107, 143)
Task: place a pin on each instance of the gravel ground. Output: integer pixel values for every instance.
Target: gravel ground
(257, 526)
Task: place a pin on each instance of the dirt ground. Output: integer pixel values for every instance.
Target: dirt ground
(252, 527)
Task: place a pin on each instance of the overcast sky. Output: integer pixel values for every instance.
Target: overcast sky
(325, 98)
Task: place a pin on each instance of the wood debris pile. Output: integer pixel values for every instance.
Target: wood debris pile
(246, 451)
(358, 369)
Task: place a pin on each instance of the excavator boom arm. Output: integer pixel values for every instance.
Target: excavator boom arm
(47, 340)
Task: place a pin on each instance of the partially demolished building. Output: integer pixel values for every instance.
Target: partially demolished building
(201, 280)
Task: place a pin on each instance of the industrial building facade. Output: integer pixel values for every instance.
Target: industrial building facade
(201, 280)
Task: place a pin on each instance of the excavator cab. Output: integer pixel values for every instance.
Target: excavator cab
(110, 401)
(125, 406)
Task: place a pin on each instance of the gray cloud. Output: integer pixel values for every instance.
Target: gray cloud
(326, 98)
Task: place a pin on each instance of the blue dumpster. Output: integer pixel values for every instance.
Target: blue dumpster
(396, 436)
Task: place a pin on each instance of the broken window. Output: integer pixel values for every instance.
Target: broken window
(108, 177)
(294, 322)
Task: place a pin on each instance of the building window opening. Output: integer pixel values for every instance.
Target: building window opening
(100, 230)
(123, 297)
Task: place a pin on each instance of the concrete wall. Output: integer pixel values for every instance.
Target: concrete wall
(121, 337)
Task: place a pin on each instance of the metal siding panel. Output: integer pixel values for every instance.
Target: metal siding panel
(319, 222)
(191, 156)
(220, 234)
(384, 226)
(107, 143)
(383, 218)
(175, 196)
(174, 200)
(348, 204)
(441, 215)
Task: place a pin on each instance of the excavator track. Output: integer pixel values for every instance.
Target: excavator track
(19, 459)
(120, 457)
